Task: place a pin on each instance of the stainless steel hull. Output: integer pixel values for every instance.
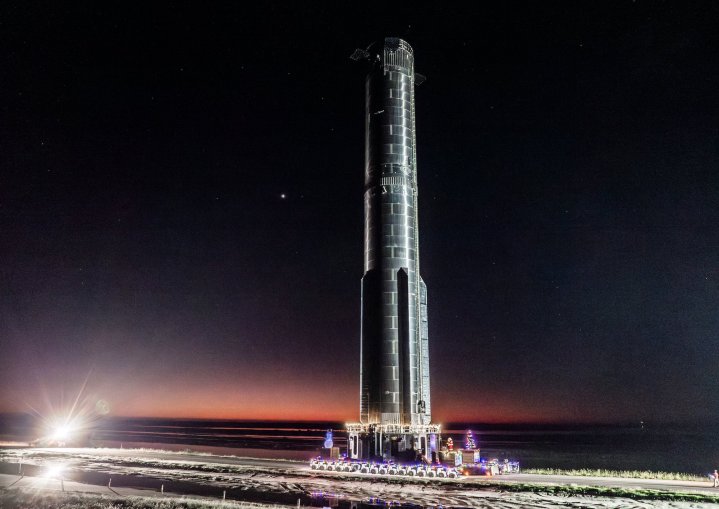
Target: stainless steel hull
(395, 356)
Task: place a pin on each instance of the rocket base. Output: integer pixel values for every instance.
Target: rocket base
(397, 442)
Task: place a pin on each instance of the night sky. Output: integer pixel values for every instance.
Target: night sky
(181, 218)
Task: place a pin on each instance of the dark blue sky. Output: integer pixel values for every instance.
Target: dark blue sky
(569, 204)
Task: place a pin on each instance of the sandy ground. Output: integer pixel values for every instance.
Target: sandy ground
(477, 500)
(273, 481)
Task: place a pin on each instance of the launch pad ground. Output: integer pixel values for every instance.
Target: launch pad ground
(155, 473)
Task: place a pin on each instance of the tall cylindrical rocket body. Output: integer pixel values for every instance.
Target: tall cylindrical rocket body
(395, 360)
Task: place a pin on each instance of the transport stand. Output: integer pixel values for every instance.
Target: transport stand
(397, 442)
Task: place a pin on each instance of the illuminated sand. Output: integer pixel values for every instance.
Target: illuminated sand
(283, 482)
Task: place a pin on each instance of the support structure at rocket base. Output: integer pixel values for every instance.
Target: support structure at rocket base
(395, 409)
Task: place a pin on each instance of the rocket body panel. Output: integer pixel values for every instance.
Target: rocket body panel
(395, 362)
(424, 345)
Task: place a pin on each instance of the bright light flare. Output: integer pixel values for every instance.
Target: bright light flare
(63, 430)
(54, 471)
(70, 424)
(61, 433)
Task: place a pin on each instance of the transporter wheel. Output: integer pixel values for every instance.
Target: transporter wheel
(431, 473)
(313, 466)
(452, 475)
(392, 471)
(411, 472)
(323, 467)
(374, 470)
(383, 470)
(364, 470)
(421, 473)
(402, 471)
(441, 473)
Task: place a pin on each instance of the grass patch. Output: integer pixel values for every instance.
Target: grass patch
(550, 489)
(606, 491)
(31, 499)
(632, 474)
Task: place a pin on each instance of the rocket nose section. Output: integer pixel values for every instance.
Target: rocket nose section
(395, 43)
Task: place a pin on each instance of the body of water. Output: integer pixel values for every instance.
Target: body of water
(677, 448)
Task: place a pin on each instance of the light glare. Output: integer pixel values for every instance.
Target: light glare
(54, 471)
(61, 433)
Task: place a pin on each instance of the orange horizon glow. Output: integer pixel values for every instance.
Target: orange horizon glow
(259, 395)
(298, 411)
